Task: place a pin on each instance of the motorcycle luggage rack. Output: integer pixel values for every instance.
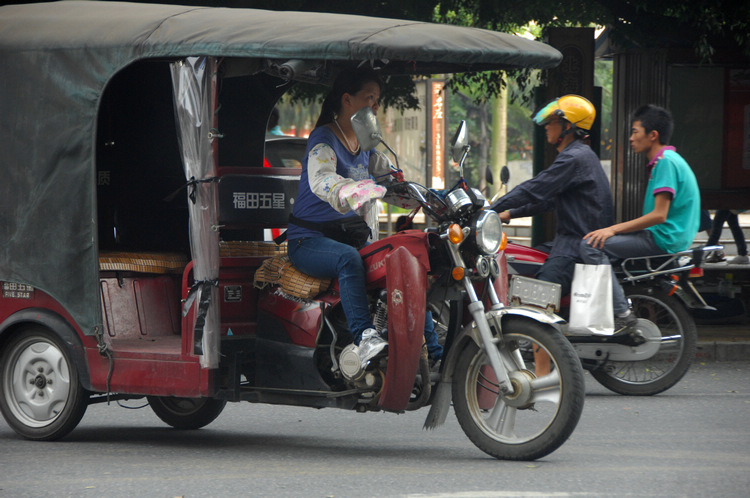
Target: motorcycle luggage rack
(661, 264)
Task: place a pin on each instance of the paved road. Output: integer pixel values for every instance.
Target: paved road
(693, 440)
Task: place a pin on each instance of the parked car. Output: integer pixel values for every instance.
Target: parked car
(284, 151)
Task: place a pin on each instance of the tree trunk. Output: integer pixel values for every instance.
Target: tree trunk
(499, 155)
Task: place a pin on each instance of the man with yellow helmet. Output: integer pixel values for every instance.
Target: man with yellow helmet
(574, 109)
(574, 185)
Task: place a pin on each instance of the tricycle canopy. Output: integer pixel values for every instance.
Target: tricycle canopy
(58, 60)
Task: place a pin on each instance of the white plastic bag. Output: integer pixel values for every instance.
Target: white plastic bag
(591, 300)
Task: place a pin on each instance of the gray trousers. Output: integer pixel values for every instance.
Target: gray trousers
(619, 247)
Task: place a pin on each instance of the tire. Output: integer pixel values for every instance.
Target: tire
(41, 397)
(186, 413)
(670, 363)
(544, 410)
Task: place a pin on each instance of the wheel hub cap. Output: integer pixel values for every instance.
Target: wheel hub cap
(40, 381)
(521, 382)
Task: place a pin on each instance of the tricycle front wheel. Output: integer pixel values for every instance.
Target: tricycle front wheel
(548, 393)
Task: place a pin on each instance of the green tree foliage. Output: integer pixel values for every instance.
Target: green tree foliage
(706, 25)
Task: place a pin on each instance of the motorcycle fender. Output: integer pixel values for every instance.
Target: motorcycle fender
(537, 314)
(407, 292)
(691, 298)
(470, 333)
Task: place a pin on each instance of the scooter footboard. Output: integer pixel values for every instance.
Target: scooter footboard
(406, 283)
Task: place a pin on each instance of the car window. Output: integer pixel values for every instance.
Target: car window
(285, 152)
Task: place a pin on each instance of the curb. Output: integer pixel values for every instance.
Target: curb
(722, 351)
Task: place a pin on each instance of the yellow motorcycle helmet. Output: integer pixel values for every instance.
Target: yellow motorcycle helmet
(573, 108)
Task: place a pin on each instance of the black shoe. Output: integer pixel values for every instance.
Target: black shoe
(624, 323)
(629, 337)
(626, 332)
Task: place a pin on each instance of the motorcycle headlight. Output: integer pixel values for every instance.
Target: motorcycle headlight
(489, 230)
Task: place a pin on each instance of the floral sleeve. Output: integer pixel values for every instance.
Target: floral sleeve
(321, 174)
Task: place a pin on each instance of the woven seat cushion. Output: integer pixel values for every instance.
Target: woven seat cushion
(250, 248)
(280, 271)
(143, 262)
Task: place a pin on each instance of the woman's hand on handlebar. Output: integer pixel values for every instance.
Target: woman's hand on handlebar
(357, 194)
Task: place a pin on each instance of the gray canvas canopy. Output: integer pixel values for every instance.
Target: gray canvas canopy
(58, 58)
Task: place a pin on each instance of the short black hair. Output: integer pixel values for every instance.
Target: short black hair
(655, 118)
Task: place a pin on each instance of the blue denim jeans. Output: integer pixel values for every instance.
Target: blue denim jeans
(618, 247)
(325, 258)
(434, 349)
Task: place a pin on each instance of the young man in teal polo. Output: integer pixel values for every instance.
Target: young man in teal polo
(671, 208)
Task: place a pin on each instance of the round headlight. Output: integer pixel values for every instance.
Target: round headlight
(489, 230)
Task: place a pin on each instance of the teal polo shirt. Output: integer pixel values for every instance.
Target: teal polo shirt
(671, 173)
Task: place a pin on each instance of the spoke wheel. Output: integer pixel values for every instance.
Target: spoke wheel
(548, 399)
(186, 413)
(41, 397)
(676, 352)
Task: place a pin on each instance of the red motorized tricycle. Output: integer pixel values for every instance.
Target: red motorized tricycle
(116, 288)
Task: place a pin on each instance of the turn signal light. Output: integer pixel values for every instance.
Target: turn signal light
(503, 243)
(455, 234)
(458, 273)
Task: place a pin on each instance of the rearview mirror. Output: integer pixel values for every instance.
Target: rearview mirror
(459, 142)
(488, 177)
(504, 175)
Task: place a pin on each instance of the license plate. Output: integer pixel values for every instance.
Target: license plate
(532, 292)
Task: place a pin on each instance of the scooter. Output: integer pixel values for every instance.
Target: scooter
(514, 381)
(661, 295)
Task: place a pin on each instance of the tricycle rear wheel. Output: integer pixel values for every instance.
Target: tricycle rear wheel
(41, 397)
(186, 413)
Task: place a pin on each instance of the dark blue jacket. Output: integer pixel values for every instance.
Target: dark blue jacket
(576, 187)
